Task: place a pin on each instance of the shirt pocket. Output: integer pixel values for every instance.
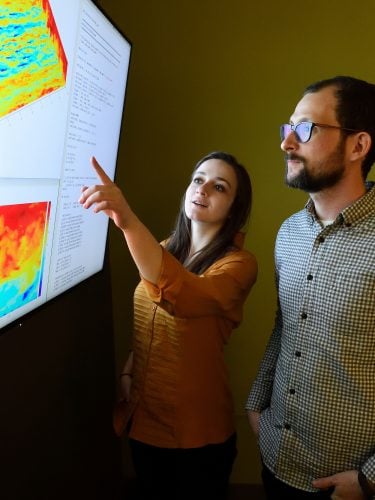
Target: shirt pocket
(351, 317)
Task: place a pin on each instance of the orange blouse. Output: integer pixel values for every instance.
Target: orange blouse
(180, 394)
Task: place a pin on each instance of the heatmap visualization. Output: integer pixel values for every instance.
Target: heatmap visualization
(23, 234)
(32, 58)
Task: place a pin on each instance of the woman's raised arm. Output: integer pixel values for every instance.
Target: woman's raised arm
(108, 198)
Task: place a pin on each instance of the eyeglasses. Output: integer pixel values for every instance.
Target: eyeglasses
(303, 130)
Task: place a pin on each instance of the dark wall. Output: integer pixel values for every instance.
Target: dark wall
(57, 380)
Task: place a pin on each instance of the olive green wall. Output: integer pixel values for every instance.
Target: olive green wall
(223, 74)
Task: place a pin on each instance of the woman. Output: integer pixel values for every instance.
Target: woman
(179, 409)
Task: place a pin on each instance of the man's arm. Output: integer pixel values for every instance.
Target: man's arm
(260, 394)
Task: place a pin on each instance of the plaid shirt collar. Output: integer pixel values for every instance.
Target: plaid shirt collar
(354, 212)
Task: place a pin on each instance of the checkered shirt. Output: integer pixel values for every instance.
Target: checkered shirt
(315, 387)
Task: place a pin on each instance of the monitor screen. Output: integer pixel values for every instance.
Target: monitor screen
(63, 74)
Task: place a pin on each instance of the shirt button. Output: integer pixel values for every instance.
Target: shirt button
(309, 277)
(298, 354)
(303, 315)
(292, 391)
(287, 427)
(321, 239)
(154, 307)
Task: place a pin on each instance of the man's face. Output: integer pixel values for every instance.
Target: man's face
(319, 163)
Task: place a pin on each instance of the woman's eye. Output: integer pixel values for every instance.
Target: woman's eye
(197, 180)
(219, 187)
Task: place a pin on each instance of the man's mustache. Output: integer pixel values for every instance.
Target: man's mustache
(292, 156)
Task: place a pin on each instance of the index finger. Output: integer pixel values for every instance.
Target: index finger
(100, 172)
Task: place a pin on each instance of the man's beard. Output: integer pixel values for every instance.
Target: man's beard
(328, 173)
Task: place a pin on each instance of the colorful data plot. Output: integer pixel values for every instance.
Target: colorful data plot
(32, 58)
(23, 235)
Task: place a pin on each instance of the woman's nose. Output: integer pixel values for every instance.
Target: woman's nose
(202, 189)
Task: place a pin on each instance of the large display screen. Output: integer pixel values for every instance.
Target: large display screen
(63, 74)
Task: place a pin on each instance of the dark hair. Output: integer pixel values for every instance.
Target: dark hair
(355, 108)
(180, 239)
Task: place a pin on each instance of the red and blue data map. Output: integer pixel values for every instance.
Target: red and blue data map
(23, 235)
(33, 61)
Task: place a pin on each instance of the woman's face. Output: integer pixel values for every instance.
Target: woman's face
(211, 193)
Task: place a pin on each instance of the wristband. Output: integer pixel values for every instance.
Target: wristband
(126, 374)
(366, 487)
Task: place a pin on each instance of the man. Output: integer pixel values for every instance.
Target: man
(312, 404)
